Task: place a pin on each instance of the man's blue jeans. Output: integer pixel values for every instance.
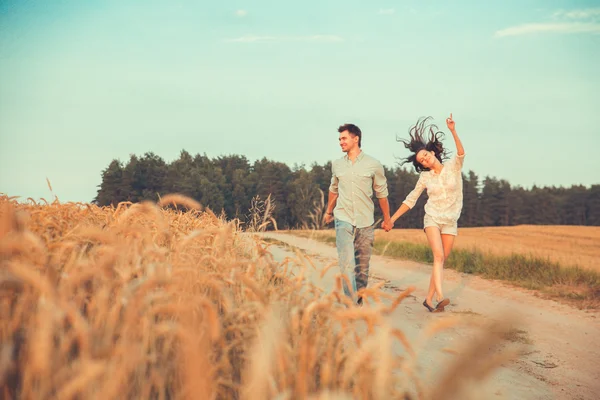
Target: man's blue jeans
(354, 246)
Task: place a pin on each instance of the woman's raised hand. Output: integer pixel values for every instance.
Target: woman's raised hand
(450, 122)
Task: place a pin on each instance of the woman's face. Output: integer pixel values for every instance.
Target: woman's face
(426, 158)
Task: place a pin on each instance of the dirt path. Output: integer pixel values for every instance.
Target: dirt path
(563, 344)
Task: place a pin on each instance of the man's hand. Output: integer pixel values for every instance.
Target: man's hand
(327, 218)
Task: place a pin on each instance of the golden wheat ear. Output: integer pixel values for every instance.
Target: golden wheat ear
(176, 199)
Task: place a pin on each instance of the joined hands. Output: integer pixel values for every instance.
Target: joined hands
(387, 225)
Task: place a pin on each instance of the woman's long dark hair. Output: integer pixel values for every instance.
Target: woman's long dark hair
(423, 135)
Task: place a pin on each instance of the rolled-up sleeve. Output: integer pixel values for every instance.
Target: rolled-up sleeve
(380, 182)
(458, 162)
(333, 185)
(413, 196)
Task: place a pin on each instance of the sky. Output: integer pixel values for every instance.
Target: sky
(86, 82)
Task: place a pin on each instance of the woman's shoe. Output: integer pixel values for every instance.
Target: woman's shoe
(431, 309)
(442, 304)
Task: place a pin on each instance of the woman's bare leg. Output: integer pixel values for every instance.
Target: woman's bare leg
(447, 243)
(434, 237)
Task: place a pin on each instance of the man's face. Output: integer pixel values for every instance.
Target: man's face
(348, 141)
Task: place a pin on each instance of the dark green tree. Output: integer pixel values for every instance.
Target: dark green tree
(179, 175)
(229, 183)
(272, 178)
(470, 211)
(593, 206)
(112, 191)
(303, 199)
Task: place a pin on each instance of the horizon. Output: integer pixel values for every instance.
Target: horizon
(100, 80)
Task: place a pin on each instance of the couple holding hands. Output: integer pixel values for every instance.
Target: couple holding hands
(357, 175)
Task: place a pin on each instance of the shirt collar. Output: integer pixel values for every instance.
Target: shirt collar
(358, 158)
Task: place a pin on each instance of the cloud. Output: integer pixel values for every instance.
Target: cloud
(386, 11)
(566, 27)
(588, 13)
(241, 13)
(565, 22)
(280, 39)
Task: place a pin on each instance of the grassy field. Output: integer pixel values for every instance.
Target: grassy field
(147, 301)
(566, 245)
(562, 261)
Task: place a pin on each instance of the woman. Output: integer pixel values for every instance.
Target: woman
(443, 181)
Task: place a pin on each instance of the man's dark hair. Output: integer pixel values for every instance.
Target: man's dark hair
(353, 130)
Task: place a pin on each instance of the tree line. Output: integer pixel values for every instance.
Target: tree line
(232, 185)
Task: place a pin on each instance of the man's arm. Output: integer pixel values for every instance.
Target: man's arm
(332, 198)
(385, 209)
(381, 192)
(331, 201)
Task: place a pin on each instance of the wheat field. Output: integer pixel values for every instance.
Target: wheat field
(167, 301)
(567, 245)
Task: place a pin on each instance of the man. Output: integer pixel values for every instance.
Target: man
(354, 178)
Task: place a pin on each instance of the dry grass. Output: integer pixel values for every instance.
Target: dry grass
(139, 301)
(566, 245)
